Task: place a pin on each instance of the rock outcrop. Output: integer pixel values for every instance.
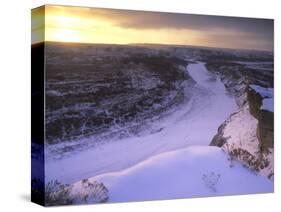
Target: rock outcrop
(265, 129)
(250, 129)
(255, 102)
(239, 137)
(265, 117)
(220, 139)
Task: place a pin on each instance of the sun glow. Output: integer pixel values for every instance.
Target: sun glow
(64, 35)
(67, 24)
(97, 25)
(62, 27)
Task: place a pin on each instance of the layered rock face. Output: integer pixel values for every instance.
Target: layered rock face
(255, 102)
(265, 129)
(256, 96)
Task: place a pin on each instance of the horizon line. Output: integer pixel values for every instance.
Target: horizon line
(159, 44)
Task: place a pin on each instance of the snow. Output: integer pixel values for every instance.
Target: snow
(264, 66)
(193, 123)
(267, 95)
(240, 132)
(141, 79)
(267, 104)
(254, 63)
(174, 160)
(264, 92)
(195, 171)
(54, 93)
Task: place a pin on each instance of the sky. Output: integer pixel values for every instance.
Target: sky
(97, 25)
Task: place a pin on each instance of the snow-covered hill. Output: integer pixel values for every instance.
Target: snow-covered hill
(196, 171)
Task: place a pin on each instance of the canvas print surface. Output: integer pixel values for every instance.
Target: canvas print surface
(134, 105)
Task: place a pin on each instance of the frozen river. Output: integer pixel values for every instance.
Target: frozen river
(192, 123)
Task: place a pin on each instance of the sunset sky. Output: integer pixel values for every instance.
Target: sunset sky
(95, 25)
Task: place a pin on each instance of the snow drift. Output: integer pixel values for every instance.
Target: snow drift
(196, 171)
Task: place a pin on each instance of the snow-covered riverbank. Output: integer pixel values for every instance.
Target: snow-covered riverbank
(194, 123)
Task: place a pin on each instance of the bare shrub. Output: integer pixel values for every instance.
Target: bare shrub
(57, 193)
(95, 191)
(211, 180)
(248, 159)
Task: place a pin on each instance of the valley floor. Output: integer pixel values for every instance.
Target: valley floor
(173, 162)
(193, 123)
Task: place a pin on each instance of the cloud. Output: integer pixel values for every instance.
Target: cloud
(220, 28)
(156, 20)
